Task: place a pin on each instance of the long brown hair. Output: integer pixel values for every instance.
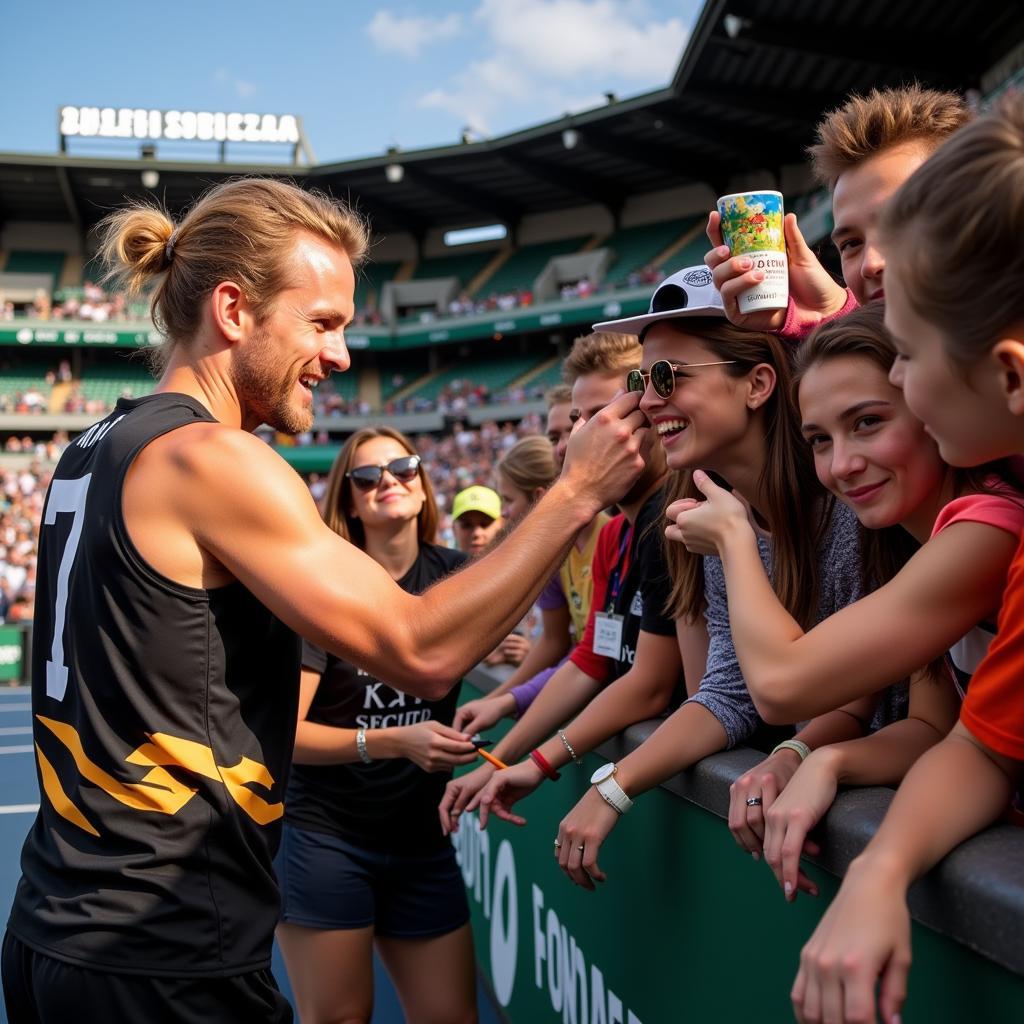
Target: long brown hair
(795, 505)
(862, 335)
(337, 508)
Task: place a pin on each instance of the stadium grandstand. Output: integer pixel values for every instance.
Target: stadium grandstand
(488, 258)
(592, 210)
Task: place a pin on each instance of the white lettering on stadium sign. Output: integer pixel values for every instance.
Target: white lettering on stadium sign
(560, 966)
(139, 123)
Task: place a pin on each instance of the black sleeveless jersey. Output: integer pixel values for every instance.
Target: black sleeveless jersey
(163, 720)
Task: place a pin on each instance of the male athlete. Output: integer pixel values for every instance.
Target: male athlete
(179, 556)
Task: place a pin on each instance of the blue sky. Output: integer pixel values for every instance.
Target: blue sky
(363, 76)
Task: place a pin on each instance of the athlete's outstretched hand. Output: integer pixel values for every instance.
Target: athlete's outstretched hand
(811, 288)
(603, 459)
(457, 795)
(435, 747)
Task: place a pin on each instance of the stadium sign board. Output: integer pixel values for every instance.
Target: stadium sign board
(174, 125)
(105, 337)
(528, 318)
(571, 315)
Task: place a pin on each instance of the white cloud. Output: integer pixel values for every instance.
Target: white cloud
(606, 36)
(409, 35)
(558, 56)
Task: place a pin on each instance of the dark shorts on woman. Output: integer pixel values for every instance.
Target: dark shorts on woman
(39, 989)
(330, 884)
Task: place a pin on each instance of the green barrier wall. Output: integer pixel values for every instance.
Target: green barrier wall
(11, 653)
(686, 929)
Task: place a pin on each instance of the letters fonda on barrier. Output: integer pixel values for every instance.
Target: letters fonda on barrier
(523, 924)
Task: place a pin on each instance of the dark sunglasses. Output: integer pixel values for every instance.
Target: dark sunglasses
(662, 376)
(366, 478)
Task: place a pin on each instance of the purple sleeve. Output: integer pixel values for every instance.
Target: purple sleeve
(525, 693)
(794, 329)
(551, 596)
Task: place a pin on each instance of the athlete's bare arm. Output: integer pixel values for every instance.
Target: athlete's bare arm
(207, 504)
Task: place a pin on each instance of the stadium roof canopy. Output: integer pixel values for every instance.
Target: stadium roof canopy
(754, 79)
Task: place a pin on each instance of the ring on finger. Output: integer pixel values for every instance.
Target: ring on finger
(580, 847)
(753, 801)
(558, 844)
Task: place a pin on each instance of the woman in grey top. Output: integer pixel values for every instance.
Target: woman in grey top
(720, 399)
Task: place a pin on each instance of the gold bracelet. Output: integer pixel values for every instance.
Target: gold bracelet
(798, 746)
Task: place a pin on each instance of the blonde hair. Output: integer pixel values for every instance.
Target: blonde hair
(601, 353)
(337, 506)
(957, 223)
(866, 125)
(241, 230)
(529, 464)
(558, 395)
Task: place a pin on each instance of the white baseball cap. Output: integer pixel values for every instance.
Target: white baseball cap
(688, 292)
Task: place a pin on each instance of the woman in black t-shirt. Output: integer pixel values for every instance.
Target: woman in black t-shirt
(363, 861)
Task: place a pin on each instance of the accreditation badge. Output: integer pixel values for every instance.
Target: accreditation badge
(608, 635)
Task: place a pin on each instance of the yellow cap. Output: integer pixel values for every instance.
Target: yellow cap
(477, 499)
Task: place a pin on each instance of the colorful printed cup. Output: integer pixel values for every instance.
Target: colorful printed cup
(752, 226)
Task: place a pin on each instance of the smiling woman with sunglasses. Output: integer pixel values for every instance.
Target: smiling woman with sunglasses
(363, 861)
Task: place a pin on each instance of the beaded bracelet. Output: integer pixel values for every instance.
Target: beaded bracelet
(568, 746)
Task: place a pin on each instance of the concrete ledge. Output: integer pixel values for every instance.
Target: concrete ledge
(975, 896)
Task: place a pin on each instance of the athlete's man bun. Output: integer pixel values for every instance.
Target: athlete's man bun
(241, 230)
(138, 251)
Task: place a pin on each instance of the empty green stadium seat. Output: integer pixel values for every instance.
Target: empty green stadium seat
(464, 267)
(635, 248)
(108, 383)
(25, 376)
(495, 373)
(521, 269)
(545, 378)
(370, 278)
(22, 261)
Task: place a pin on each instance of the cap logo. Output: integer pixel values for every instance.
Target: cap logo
(669, 296)
(700, 277)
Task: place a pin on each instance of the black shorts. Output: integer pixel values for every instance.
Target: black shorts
(41, 990)
(330, 884)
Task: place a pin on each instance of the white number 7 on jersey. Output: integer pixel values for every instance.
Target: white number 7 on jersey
(65, 496)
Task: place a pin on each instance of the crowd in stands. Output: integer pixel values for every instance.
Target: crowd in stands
(90, 302)
(21, 506)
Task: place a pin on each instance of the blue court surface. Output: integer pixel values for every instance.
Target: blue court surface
(19, 800)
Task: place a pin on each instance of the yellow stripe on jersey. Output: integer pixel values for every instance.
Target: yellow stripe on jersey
(62, 803)
(159, 790)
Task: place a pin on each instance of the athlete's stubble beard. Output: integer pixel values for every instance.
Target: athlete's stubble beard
(265, 392)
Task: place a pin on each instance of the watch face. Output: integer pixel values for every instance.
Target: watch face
(606, 771)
